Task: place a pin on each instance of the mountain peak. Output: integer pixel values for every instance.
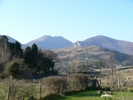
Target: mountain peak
(50, 42)
(45, 37)
(109, 43)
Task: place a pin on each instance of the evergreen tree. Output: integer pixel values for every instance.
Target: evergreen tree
(34, 55)
(15, 49)
(30, 56)
(39, 62)
(46, 63)
(27, 56)
(18, 50)
(34, 49)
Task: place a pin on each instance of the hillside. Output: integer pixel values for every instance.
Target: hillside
(90, 55)
(109, 43)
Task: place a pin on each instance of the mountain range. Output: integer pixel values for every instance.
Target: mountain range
(58, 42)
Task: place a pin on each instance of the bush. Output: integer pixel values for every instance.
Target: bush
(55, 85)
(61, 85)
(78, 82)
(14, 69)
(17, 69)
(130, 89)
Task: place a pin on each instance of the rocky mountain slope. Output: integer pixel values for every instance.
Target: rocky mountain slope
(109, 43)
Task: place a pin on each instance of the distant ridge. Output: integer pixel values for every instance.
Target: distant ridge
(49, 42)
(57, 42)
(109, 43)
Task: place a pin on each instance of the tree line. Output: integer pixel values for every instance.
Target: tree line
(28, 63)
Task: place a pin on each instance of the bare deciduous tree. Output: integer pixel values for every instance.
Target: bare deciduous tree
(4, 52)
(112, 67)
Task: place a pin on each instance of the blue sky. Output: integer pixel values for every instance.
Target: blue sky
(26, 20)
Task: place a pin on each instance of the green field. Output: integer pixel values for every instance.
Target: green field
(93, 95)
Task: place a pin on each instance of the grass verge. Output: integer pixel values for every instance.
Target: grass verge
(92, 95)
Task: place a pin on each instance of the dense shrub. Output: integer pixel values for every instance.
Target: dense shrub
(77, 82)
(59, 85)
(55, 85)
(14, 69)
(17, 69)
(130, 89)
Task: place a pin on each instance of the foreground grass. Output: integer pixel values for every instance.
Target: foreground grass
(83, 95)
(93, 95)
